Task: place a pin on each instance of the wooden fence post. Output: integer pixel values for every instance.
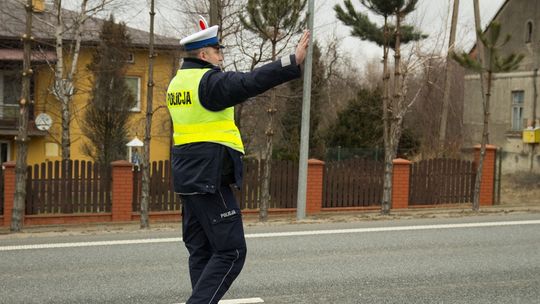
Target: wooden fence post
(122, 191)
(314, 191)
(400, 183)
(488, 173)
(9, 191)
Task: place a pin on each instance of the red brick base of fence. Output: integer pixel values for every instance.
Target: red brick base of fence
(122, 196)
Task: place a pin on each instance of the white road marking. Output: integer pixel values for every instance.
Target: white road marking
(238, 301)
(276, 234)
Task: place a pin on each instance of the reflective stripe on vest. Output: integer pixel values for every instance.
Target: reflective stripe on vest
(191, 121)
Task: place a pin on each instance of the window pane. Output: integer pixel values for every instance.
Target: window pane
(517, 97)
(12, 88)
(3, 152)
(517, 118)
(133, 84)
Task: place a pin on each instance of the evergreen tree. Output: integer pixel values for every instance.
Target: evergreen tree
(358, 125)
(106, 117)
(363, 28)
(391, 35)
(289, 146)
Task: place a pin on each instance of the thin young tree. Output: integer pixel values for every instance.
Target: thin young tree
(494, 63)
(389, 36)
(275, 21)
(105, 122)
(145, 164)
(22, 135)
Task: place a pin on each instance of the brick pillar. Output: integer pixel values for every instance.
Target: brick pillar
(122, 188)
(314, 189)
(9, 191)
(400, 183)
(488, 173)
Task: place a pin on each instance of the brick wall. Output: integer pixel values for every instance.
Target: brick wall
(314, 191)
(488, 173)
(122, 189)
(9, 191)
(400, 183)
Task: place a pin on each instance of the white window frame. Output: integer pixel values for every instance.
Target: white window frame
(137, 107)
(517, 105)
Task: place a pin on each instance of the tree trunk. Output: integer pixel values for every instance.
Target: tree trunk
(387, 181)
(63, 86)
(485, 103)
(267, 172)
(66, 117)
(392, 123)
(485, 141)
(448, 80)
(270, 130)
(145, 191)
(390, 152)
(22, 135)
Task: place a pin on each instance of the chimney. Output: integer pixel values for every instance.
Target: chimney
(39, 6)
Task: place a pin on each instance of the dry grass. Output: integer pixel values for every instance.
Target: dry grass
(520, 189)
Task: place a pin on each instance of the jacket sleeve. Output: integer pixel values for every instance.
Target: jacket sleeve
(220, 90)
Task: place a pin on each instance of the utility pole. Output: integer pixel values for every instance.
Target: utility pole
(304, 133)
(448, 80)
(22, 135)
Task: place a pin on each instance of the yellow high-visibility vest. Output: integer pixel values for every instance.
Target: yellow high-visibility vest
(191, 121)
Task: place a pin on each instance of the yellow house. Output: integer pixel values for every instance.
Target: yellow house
(45, 145)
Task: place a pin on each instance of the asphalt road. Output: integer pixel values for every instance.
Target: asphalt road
(398, 261)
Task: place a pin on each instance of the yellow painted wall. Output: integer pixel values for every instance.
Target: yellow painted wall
(164, 67)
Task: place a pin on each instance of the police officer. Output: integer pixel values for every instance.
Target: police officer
(207, 155)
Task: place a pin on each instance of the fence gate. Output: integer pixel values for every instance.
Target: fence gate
(441, 181)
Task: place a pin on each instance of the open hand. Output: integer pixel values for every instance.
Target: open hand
(301, 48)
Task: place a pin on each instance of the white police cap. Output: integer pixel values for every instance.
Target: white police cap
(206, 36)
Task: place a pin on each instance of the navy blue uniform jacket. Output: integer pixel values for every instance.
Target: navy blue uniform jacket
(204, 167)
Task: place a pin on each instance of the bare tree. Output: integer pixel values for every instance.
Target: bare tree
(22, 135)
(68, 31)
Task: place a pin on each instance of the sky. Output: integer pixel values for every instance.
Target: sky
(431, 16)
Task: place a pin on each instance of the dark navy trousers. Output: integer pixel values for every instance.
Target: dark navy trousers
(214, 236)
